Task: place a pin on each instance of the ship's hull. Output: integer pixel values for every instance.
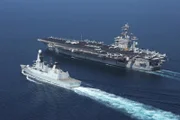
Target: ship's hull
(37, 76)
(87, 57)
(108, 56)
(109, 62)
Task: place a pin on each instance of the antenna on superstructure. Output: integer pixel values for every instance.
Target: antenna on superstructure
(133, 37)
(39, 59)
(125, 29)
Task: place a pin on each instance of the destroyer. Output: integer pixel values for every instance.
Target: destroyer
(123, 53)
(43, 73)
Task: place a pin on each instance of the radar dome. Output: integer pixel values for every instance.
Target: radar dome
(40, 51)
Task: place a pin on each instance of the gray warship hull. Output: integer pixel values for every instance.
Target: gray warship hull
(86, 57)
(122, 53)
(70, 50)
(34, 75)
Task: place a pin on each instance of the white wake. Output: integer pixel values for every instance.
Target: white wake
(134, 109)
(166, 73)
(28, 78)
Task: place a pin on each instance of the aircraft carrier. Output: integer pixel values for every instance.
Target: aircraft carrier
(122, 53)
(42, 72)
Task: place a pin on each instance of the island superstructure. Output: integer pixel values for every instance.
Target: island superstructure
(42, 72)
(122, 53)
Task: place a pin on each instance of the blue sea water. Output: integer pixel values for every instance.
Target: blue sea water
(117, 94)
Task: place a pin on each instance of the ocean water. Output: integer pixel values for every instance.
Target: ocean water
(110, 93)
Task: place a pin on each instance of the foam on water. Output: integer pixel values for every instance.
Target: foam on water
(172, 72)
(166, 73)
(134, 109)
(32, 80)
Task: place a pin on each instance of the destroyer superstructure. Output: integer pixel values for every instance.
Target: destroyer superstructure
(122, 53)
(41, 72)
